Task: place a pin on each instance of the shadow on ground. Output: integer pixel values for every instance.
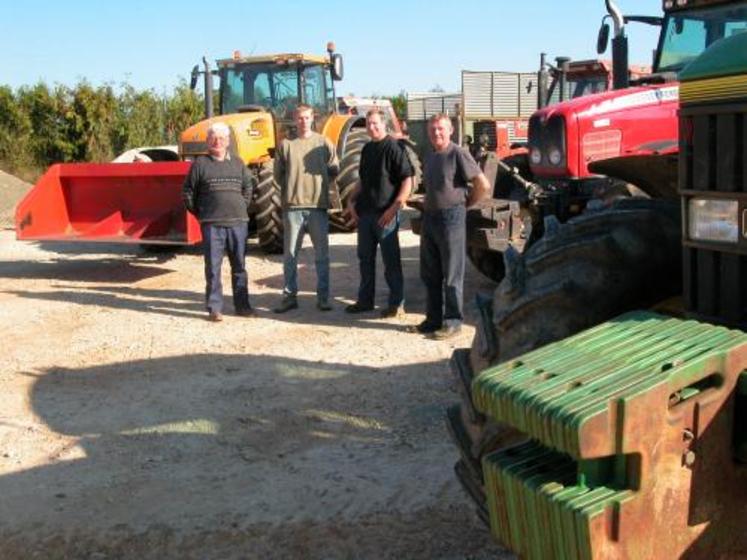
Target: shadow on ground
(225, 456)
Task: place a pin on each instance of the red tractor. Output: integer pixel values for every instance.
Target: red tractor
(592, 228)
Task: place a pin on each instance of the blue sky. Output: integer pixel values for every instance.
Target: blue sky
(388, 46)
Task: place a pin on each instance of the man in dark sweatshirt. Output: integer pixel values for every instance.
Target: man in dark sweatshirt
(218, 190)
(374, 205)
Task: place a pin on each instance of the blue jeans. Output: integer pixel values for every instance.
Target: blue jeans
(296, 222)
(442, 262)
(217, 241)
(370, 234)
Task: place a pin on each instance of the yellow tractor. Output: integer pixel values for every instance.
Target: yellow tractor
(257, 97)
(140, 203)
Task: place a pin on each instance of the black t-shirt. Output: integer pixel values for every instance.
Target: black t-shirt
(447, 175)
(384, 165)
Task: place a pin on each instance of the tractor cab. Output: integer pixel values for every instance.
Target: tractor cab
(278, 84)
(686, 33)
(257, 97)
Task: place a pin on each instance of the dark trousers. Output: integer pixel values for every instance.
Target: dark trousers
(371, 235)
(442, 261)
(217, 241)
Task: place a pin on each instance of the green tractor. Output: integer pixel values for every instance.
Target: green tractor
(629, 439)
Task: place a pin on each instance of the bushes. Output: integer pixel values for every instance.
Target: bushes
(40, 125)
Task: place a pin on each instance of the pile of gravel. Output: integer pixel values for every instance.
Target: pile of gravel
(12, 190)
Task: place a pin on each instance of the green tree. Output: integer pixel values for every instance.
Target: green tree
(15, 132)
(183, 109)
(50, 113)
(399, 104)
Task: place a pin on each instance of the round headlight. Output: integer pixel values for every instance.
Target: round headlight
(554, 156)
(535, 156)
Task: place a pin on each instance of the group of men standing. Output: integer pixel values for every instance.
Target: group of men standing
(218, 191)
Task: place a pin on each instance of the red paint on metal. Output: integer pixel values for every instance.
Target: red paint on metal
(113, 202)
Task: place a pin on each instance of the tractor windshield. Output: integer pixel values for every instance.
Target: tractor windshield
(687, 34)
(278, 88)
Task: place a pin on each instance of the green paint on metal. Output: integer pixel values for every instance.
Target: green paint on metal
(585, 402)
(558, 391)
(725, 57)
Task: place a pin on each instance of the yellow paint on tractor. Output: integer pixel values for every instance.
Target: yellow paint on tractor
(252, 136)
(334, 125)
(282, 58)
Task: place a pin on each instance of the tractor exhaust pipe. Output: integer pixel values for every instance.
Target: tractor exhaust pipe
(208, 89)
(619, 48)
(562, 62)
(543, 80)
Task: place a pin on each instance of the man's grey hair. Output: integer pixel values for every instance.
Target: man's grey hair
(219, 128)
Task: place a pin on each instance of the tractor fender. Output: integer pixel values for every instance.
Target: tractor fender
(338, 127)
(651, 168)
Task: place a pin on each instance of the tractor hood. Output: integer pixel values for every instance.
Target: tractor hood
(566, 138)
(614, 101)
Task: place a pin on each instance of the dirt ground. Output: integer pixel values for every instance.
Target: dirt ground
(131, 427)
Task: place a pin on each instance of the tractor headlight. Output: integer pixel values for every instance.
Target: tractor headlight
(713, 220)
(535, 156)
(555, 156)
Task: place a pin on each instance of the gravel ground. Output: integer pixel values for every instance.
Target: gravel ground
(131, 427)
(12, 190)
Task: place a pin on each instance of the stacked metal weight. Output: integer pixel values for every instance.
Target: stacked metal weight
(633, 436)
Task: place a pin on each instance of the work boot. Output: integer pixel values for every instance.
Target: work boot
(323, 305)
(215, 317)
(246, 312)
(446, 332)
(358, 307)
(393, 312)
(423, 328)
(288, 303)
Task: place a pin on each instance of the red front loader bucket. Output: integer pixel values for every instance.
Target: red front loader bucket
(109, 202)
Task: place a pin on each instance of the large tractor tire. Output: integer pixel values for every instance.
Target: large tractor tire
(348, 177)
(417, 167)
(581, 273)
(269, 217)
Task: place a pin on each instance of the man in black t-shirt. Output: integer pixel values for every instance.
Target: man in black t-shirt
(374, 205)
(448, 172)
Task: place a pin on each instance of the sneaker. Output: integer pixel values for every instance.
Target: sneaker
(215, 317)
(358, 308)
(423, 328)
(444, 333)
(288, 303)
(393, 312)
(248, 312)
(323, 305)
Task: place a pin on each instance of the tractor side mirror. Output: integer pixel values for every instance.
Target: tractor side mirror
(193, 78)
(336, 66)
(603, 37)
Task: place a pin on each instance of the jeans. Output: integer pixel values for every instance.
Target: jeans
(442, 262)
(296, 222)
(370, 234)
(217, 241)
